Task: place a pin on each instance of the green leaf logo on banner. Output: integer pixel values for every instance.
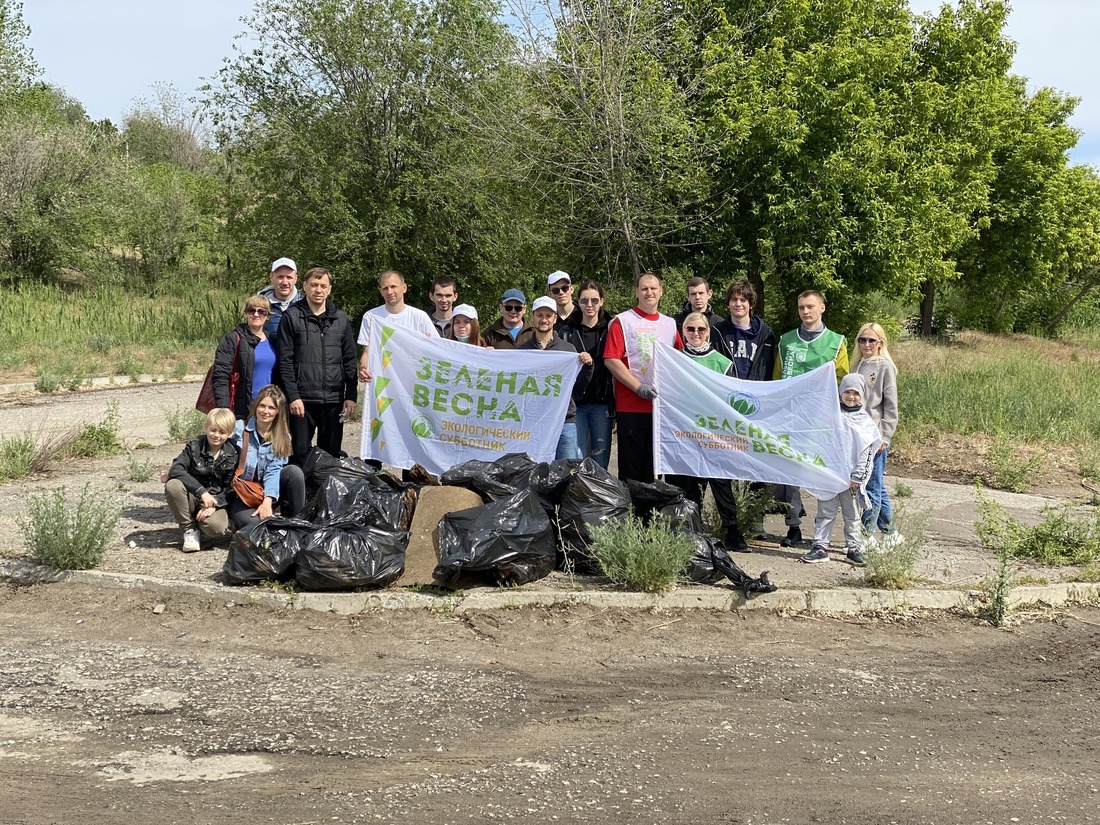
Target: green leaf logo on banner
(423, 427)
(744, 403)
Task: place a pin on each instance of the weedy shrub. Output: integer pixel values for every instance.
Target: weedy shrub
(1062, 537)
(179, 369)
(902, 490)
(1009, 467)
(636, 556)
(70, 535)
(46, 381)
(139, 469)
(1088, 461)
(184, 423)
(890, 565)
(995, 609)
(99, 440)
(17, 457)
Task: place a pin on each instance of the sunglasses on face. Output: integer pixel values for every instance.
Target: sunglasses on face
(513, 307)
(255, 311)
(589, 301)
(868, 340)
(697, 329)
(558, 290)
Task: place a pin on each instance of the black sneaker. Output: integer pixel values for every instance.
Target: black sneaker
(793, 537)
(735, 542)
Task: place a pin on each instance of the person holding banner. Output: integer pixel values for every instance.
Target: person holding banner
(744, 338)
(697, 346)
(864, 442)
(394, 310)
(511, 329)
(800, 351)
(628, 355)
(464, 327)
(545, 315)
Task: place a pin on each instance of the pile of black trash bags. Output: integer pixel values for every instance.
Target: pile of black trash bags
(354, 533)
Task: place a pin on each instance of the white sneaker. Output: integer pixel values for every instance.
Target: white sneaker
(894, 539)
(191, 541)
(871, 544)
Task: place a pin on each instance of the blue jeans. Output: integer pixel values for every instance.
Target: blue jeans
(567, 443)
(880, 514)
(594, 432)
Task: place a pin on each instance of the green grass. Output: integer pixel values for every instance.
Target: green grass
(1062, 536)
(70, 535)
(99, 440)
(184, 423)
(636, 556)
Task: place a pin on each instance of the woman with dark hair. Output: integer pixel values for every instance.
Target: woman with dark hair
(265, 442)
(464, 326)
(244, 360)
(586, 330)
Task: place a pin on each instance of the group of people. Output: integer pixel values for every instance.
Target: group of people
(289, 373)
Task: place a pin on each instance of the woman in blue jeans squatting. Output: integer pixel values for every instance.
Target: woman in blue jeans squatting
(266, 456)
(586, 330)
(874, 363)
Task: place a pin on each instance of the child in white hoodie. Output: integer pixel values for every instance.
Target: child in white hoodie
(865, 440)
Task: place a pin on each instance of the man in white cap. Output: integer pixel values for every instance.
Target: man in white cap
(561, 287)
(282, 292)
(544, 317)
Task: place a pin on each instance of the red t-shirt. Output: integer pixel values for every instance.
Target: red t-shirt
(615, 347)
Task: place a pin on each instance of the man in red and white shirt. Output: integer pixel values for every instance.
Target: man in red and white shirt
(628, 355)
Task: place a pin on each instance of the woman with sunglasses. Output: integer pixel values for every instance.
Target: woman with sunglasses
(244, 361)
(586, 330)
(874, 363)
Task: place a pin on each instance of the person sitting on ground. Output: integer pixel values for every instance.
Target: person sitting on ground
(697, 346)
(266, 455)
(247, 355)
(200, 479)
(874, 363)
(282, 292)
(510, 330)
(545, 316)
(853, 501)
(464, 326)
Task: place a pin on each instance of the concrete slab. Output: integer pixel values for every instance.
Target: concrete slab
(423, 553)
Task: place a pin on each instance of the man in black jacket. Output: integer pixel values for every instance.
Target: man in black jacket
(317, 367)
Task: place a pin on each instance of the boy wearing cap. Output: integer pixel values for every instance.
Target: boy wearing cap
(511, 329)
(561, 288)
(282, 292)
(865, 440)
(545, 317)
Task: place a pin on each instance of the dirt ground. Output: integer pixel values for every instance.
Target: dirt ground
(114, 709)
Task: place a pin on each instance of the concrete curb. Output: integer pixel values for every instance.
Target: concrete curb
(838, 601)
(100, 382)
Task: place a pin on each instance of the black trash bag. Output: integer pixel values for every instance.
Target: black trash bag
(483, 477)
(549, 481)
(684, 517)
(653, 496)
(701, 567)
(368, 501)
(592, 496)
(267, 550)
(344, 554)
(510, 540)
(515, 469)
(319, 465)
(726, 567)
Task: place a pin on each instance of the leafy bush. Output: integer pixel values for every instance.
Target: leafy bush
(69, 536)
(99, 440)
(139, 469)
(637, 556)
(17, 457)
(902, 490)
(46, 381)
(184, 423)
(893, 566)
(1010, 469)
(1062, 537)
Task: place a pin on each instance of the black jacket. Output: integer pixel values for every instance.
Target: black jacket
(224, 367)
(201, 473)
(599, 389)
(753, 352)
(317, 355)
(713, 318)
(559, 344)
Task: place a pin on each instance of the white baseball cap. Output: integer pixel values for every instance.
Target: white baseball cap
(545, 302)
(465, 310)
(281, 262)
(560, 275)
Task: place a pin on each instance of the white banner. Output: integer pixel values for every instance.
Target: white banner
(438, 403)
(784, 432)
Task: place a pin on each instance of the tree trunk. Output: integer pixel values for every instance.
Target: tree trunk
(1064, 311)
(757, 280)
(927, 304)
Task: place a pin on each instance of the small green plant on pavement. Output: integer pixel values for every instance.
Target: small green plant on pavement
(1061, 537)
(184, 423)
(17, 457)
(637, 556)
(99, 440)
(891, 564)
(138, 468)
(1009, 467)
(902, 490)
(70, 535)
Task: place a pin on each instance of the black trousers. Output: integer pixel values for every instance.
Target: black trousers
(694, 488)
(322, 419)
(635, 435)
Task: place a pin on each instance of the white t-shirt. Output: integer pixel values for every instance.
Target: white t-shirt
(410, 317)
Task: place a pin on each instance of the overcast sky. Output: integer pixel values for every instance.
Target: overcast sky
(108, 54)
